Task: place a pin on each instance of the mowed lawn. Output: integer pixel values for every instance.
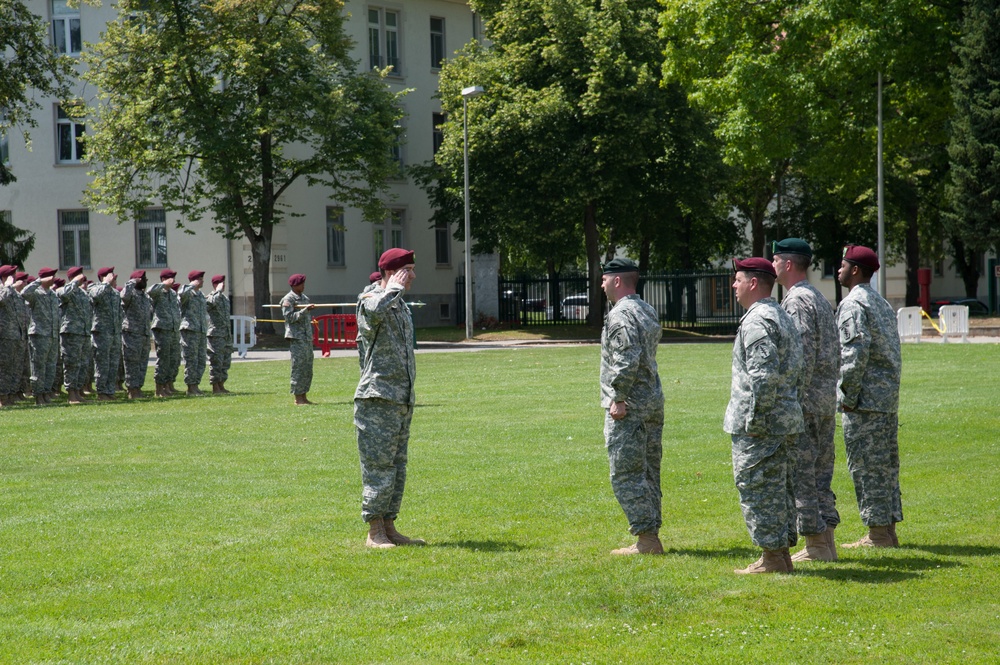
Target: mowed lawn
(228, 530)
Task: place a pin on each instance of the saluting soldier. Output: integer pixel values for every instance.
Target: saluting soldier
(166, 328)
(74, 332)
(107, 332)
(194, 326)
(297, 312)
(220, 334)
(21, 280)
(13, 337)
(43, 334)
(137, 314)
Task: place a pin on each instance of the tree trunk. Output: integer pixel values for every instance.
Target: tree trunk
(554, 297)
(967, 265)
(592, 241)
(260, 249)
(912, 257)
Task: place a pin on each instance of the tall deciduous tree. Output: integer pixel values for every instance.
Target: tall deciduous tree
(216, 108)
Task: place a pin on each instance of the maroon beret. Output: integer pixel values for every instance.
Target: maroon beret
(176, 287)
(754, 264)
(296, 279)
(7, 271)
(21, 276)
(30, 278)
(73, 272)
(395, 258)
(861, 256)
(167, 273)
(59, 282)
(218, 279)
(374, 277)
(46, 272)
(195, 274)
(137, 274)
(105, 271)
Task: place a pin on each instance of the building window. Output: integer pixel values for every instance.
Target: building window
(438, 120)
(830, 269)
(74, 238)
(475, 26)
(151, 238)
(69, 138)
(66, 28)
(442, 243)
(383, 40)
(335, 237)
(397, 151)
(437, 42)
(445, 311)
(389, 233)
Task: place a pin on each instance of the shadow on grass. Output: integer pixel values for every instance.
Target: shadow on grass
(955, 550)
(728, 553)
(482, 545)
(875, 569)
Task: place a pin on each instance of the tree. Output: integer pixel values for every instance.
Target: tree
(218, 107)
(30, 69)
(15, 243)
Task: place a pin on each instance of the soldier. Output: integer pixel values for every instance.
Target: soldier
(868, 392)
(220, 334)
(74, 332)
(13, 337)
(813, 454)
(107, 332)
(194, 325)
(137, 314)
(764, 416)
(21, 280)
(57, 382)
(297, 312)
(633, 399)
(43, 334)
(166, 332)
(383, 402)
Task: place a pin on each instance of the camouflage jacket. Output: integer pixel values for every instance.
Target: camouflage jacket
(298, 320)
(767, 368)
(194, 310)
(76, 309)
(628, 355)
(870, 362)
(44, 307)
(385, 346)
(166, 307)
(219, 311)
(12, 314)
(107, 309)
(817, 325)
(137, 310)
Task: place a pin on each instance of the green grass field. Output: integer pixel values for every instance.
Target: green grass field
(228, 530)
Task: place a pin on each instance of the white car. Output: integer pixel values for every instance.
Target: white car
(576, 307)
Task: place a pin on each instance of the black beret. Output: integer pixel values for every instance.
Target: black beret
(615, 266)
(792, 246)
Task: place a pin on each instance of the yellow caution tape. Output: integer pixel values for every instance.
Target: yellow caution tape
(933, 325)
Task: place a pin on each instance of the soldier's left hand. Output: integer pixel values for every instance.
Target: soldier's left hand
(618, 410)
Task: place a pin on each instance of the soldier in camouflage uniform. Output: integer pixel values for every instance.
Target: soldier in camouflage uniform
(74, 332)
(633, 398)
(13, 337)
(220, 334)
(764, 417)
(383, 402)
(868, 391)
(813, 453)
(107, 332)
(21, 280)
(43, 334)
(137, 314)
(194, 326)
(166, 332)
(297, 312)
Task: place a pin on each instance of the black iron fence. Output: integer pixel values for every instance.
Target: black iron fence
(701, 302)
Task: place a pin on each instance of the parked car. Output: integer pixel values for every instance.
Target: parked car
(976, 307)
(576, 307)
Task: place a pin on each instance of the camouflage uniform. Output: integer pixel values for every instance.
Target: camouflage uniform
(194, 324)
(813, 456)
(43, 336)
(166, 332)
(137, 313)
(635, 443)
(13, 340)
(383, 402)
(107, 331)
(74, 334)
(298, 329)
(220, 336)
(870, 366)
(764, 418)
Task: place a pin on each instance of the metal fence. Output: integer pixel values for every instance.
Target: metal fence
(700, 302)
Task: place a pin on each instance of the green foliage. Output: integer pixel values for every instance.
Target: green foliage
(15, 244)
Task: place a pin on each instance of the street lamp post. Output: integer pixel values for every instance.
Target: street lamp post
(467, 94)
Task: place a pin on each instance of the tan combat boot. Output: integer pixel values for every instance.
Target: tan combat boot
(170, 388)
(222, 388)
(301, 399)
(648, 543)
(817, 549)
(160, 390)
(397, 538)
(75, 397)
(831, 542)
(216, 388)
(877, 536)
(377, 537)
(135, 393)
(771, 561)
(194, 390)
(892, 534)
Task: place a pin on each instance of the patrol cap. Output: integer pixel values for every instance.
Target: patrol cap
(395, 258)
(791, 246)
(167, 273)
(862, 256)
(374, 277)
(218, 279)
(195, 274)
(73, 272)
(137, 274)
(616, 266)
(46, 272)
(105, 271)
(296, 279)
(7, 271)
(754, 264)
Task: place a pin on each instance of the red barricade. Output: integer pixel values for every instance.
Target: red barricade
(335, 331)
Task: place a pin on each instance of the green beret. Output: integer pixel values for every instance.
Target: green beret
(792, 246)
(615, 266)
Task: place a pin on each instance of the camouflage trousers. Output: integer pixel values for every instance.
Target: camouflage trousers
(815, 502)
(763, 477)
(26, 371)
(44, 357)
(168, 355)
(135, 353)
(12, 355)
(107, 354)
(74, 353)
(873, 461)
(302, 365)
(383, 430)
(194, 346)
(635, 448)
(220, 357)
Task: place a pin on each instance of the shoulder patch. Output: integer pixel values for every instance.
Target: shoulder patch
(848, 330)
